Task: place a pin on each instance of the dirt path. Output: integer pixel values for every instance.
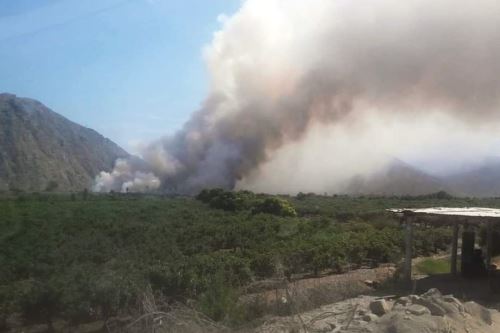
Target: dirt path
(305, 294)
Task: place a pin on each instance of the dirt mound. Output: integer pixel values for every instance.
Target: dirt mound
(430, 312)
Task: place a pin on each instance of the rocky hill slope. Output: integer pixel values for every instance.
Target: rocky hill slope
(40, 150)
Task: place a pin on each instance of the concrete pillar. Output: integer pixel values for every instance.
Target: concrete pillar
(489, 242)
(408, 249)
(468, 240)
(454, 250)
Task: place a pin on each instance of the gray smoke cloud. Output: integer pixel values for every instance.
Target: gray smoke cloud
(278, 68)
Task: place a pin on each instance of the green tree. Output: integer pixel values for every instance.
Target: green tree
(275, 206)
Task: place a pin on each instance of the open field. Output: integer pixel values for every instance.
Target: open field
(433, 266)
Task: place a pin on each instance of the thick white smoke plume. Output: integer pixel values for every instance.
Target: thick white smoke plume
(281, 69)
(127, 177)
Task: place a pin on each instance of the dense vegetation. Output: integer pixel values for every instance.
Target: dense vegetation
(85, 256)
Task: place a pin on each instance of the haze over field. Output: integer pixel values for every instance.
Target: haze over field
(306, 95)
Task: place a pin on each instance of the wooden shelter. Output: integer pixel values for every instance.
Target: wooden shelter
(468, 218)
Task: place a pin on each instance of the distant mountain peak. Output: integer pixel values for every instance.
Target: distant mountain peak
(396, 178)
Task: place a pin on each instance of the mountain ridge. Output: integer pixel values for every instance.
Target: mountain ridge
(42, 150)
(481, 181)
(397, 178)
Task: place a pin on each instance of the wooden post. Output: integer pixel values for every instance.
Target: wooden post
(454, 248)
(408, 249)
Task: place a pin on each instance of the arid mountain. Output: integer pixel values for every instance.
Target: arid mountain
(399, 178)
(41, 150)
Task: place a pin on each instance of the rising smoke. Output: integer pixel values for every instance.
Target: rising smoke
(281, 69)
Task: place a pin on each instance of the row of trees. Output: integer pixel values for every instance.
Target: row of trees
(246, 200)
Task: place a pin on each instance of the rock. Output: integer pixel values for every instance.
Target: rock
(478, 311)
(379, 307)
(372, 284)
(433, 292)
(454, 302)
(414, 298)
(433, 300)
(431, 312)
(434, 308)
(440, 305)
(323, 326)
(398, 307)
(403, 323)
(14, 321)
(451, 299)
(418, 310)
(369, 317)
(451, 309)
(403, 301)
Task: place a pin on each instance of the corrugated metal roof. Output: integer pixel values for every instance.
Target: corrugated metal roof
(464, 211)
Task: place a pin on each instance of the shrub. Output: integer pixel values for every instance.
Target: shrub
(227, 201)
(220, 199)
(263, 265)
(206, 195)
(38, 301)
(275, 206)
(220, 300)
(170, 280)
(301, 196)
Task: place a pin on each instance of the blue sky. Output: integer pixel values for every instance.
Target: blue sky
(130, 69)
